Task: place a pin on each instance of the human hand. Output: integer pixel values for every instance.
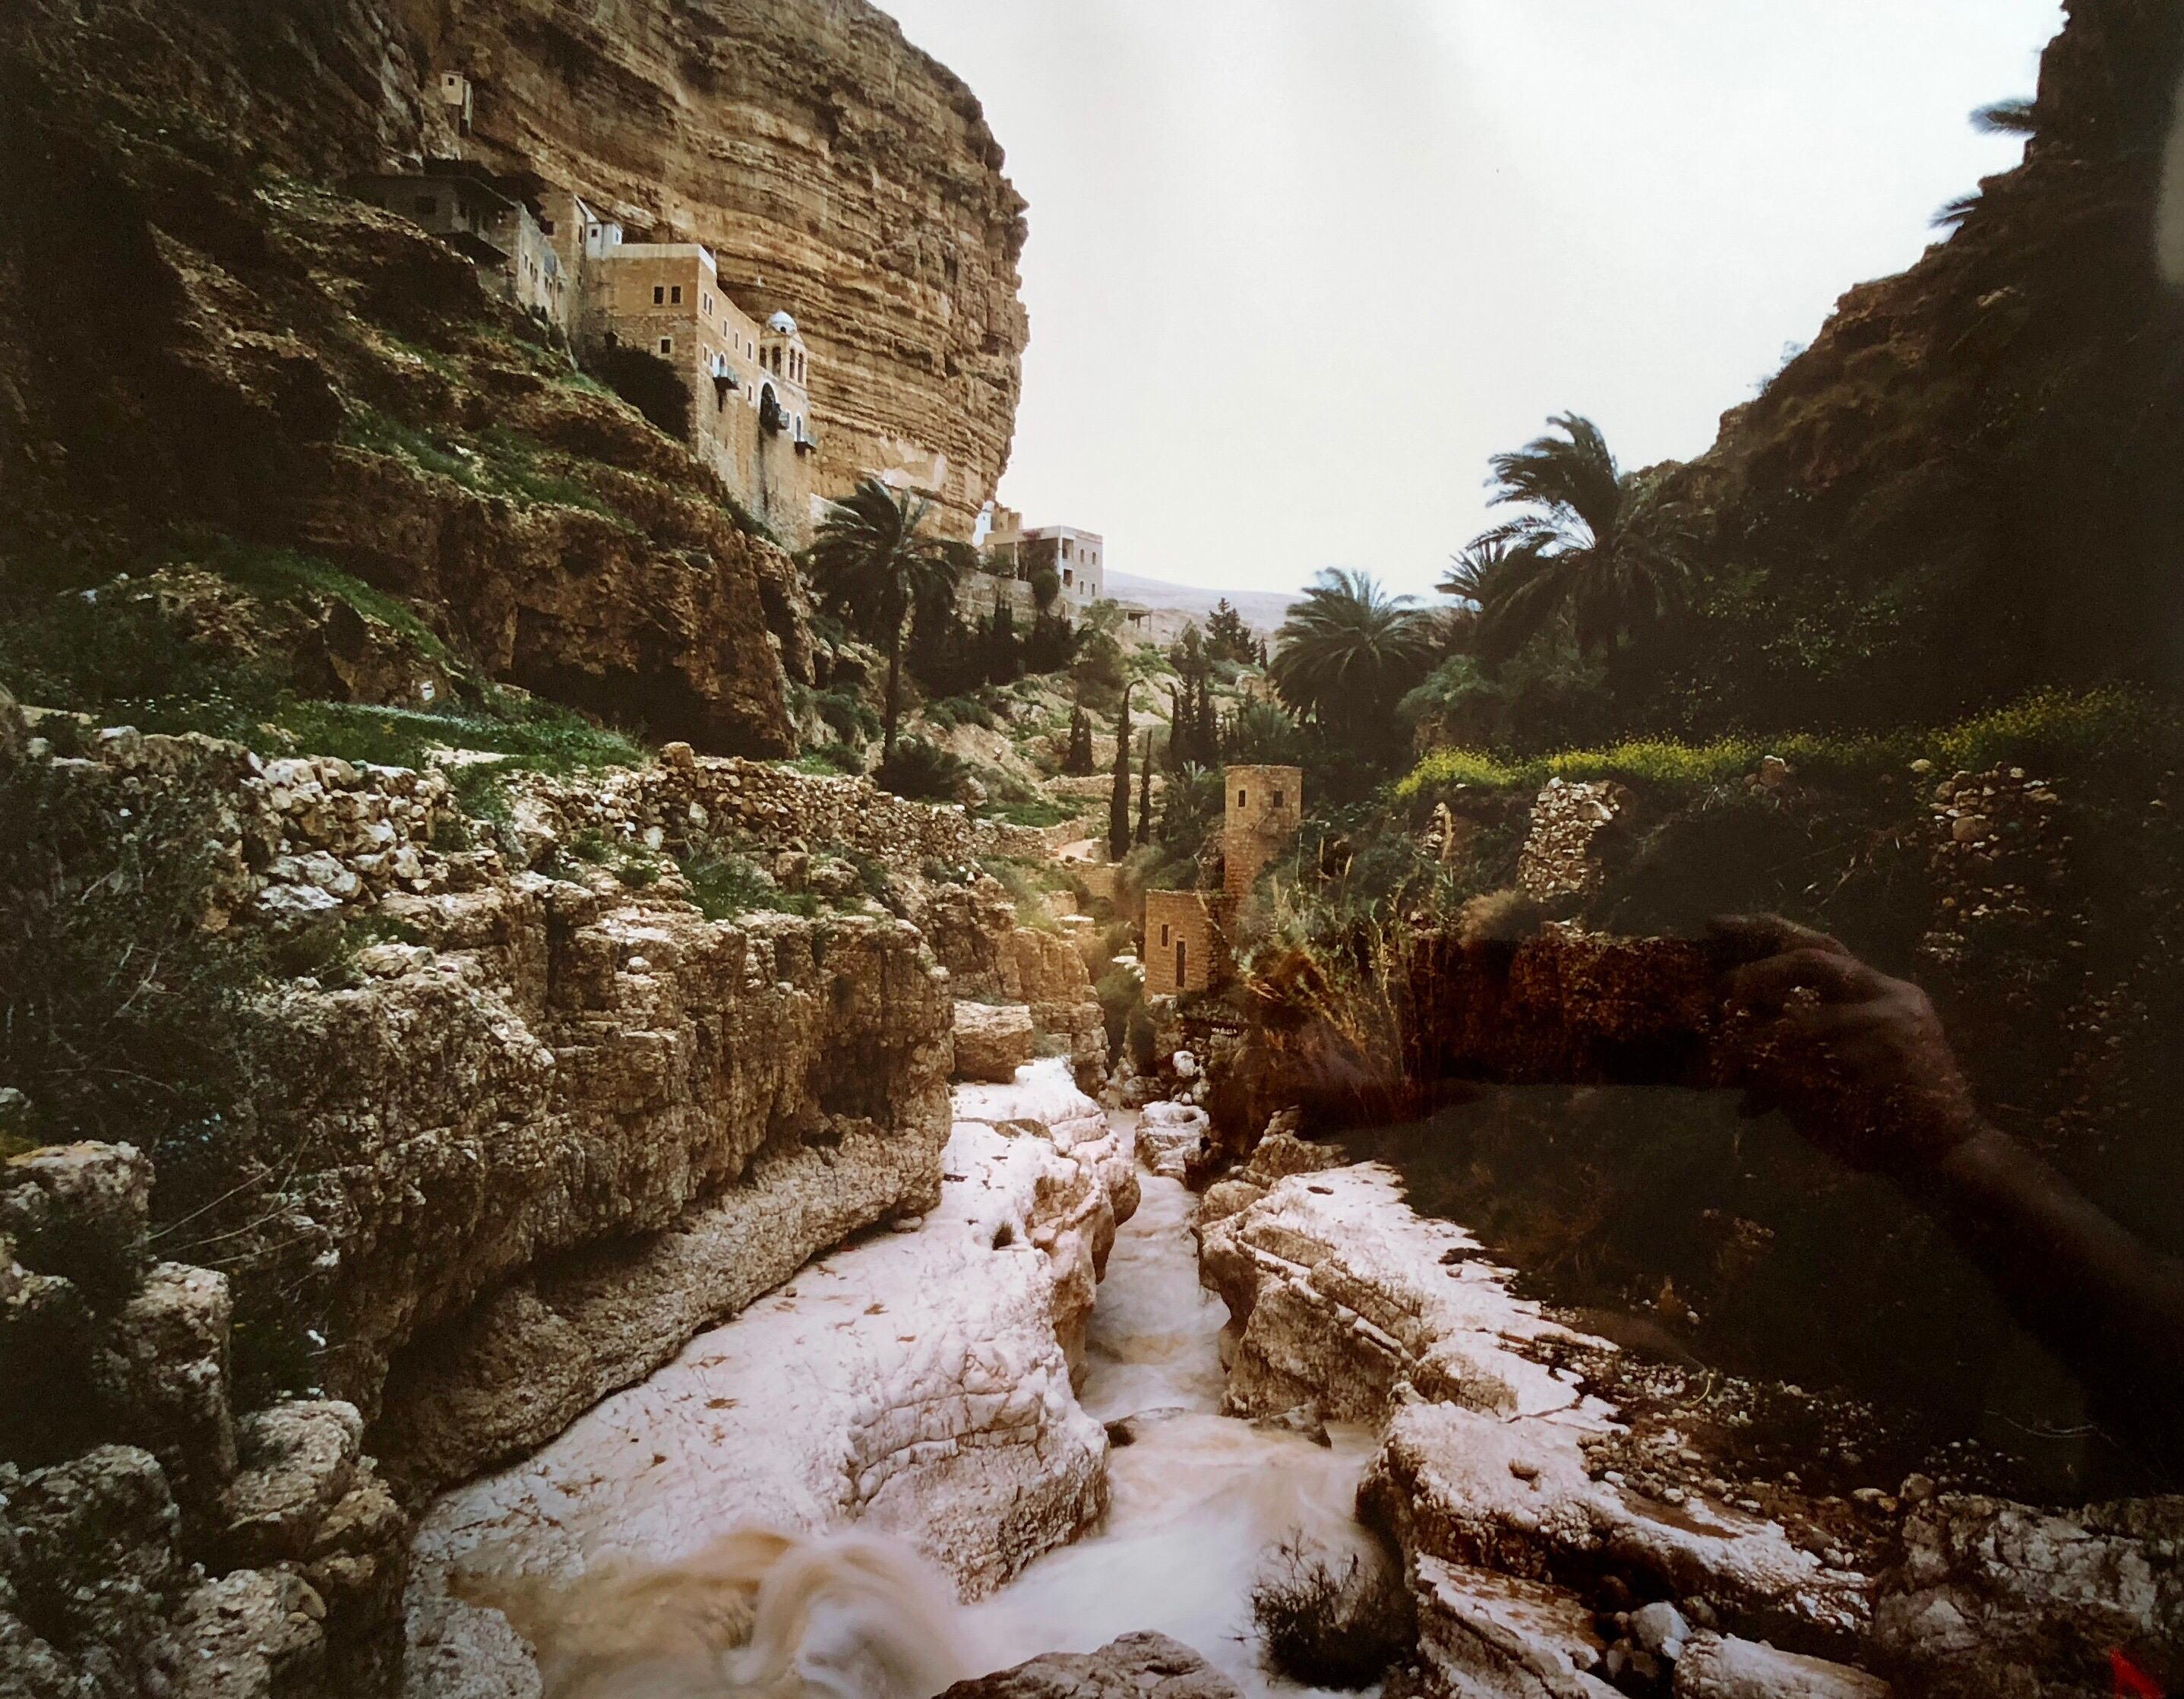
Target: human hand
(1857, 1061)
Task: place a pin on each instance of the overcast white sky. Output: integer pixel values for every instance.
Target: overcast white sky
(1297, 267)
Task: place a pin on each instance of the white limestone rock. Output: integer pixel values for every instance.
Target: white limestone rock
(916, 1383)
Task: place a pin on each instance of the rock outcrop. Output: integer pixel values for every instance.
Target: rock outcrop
(170, 1547)
(974, 932)
(1139, 1666)
(1544, 1561)
(1341, 1296)
(917, 1382)
(993, 1040)
(834, 171)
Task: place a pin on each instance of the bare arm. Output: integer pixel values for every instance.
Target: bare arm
(1860, 1064)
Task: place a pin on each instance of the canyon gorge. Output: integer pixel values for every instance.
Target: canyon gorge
(548, 1156)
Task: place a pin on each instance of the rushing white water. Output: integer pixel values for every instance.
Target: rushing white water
(1197, 1497)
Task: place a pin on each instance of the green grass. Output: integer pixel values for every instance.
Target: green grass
(287, 575)
(1036, 812)
(502, 462)
(532, 734)
(724, 884)
(2046, 726)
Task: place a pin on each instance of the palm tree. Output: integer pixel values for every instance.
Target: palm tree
(1598, 543)
(1349, 651)
(873, 562)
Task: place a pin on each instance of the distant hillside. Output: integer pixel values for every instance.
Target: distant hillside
(1262, 610)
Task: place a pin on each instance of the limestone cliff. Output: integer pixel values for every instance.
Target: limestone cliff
(203, 342)
(836, 172)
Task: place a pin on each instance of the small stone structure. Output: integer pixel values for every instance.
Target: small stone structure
(1185, 949)
(1182, 937)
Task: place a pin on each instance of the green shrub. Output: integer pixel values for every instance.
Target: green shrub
(1122, 994)
(725, 884)
(922, 770)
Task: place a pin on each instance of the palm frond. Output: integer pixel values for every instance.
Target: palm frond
(1573, 477)
(2012, 117)
(1955, 212)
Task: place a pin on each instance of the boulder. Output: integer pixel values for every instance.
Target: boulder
(2005, 1601)
(251, 1635)
(79, 1210)
(1138, 1666)
(90, 1552)
(1169, 1134)
(1714, 1667)
(298, 1461)
(992, 1040)
(162, 1371)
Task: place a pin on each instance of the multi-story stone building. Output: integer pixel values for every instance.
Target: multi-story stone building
(494, 229)
(748, 384)
(1077, 558)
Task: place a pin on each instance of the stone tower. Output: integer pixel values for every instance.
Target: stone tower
(1264, 809)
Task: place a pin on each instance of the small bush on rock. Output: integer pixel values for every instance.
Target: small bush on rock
(1329, 1622)
(922, 771)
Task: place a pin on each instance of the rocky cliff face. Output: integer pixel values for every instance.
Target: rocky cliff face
(835, 171)
(202, 345)
(1905, 485)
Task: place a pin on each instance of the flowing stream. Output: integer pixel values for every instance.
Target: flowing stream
(1197, 1496)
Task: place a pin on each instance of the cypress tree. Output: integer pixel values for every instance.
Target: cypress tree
(1118, 802)
(1145, 790)
(1078, 762)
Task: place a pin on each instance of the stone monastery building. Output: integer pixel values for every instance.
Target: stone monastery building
(562, 259)
(574, 266)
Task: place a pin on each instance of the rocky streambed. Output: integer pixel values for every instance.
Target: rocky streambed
(1297, 1355)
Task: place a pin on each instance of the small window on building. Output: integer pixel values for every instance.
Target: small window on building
(1065, 575)
(1182, 963)
(1243, 798)
(706, 305)
(659, 296)
(1164, 935)
(675, 294)
(667, 345)
(1278, 799)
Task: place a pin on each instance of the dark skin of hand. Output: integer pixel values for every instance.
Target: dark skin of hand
(1861, 1065)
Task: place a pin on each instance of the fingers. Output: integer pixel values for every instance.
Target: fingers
(1749, 937)
(1769, 986)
